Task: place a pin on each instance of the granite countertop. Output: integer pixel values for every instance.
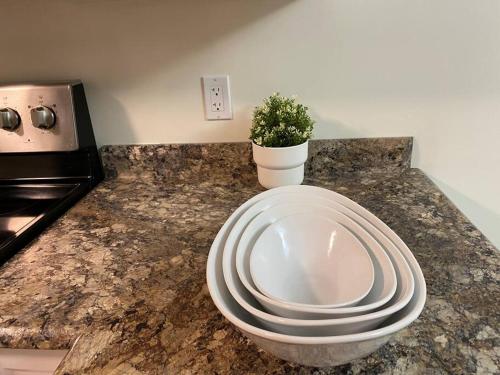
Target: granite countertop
(120, 278)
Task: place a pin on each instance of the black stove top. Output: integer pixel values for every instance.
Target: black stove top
(21, 205)
(25, 209)
(48, 158)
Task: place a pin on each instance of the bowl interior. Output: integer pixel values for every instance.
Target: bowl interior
(311, 259)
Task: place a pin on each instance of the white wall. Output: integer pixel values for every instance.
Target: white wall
(427, 68)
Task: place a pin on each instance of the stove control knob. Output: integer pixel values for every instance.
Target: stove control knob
(9, 119)
(43, 117)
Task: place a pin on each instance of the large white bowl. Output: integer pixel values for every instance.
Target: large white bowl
(311, 351)
(403, 272)
(385, 281)
(301, 327)
(311, 260)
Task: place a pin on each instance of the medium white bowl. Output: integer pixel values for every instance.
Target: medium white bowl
(385, 277)
(311, 260)
(311, 351)
(301, 327)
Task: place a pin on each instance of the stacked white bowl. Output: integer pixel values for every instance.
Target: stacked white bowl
(312, 277)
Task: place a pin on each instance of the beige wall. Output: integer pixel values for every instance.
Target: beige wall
(429, 68)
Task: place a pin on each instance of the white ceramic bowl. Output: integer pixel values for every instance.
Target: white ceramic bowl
(303, 327)
(385, 277)
(311, 260)
(311, 351)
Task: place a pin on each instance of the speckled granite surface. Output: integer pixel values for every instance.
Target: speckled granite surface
(121, 277)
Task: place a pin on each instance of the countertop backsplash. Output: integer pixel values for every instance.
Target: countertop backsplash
(327, 158)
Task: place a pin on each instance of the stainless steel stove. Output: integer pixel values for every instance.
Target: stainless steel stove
(48, 158)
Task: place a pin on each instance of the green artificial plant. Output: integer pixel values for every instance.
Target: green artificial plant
(280, 122)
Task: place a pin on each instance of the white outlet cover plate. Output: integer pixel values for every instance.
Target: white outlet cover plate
(217, 97)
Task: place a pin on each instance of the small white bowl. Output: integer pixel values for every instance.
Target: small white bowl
(312, 351)
(311, 260)
(268, 211)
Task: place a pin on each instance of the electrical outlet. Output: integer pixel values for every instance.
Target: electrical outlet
(217, 97)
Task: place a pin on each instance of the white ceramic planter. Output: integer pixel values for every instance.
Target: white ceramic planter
(280, 166)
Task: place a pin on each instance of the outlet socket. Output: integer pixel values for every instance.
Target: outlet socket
(217, 98)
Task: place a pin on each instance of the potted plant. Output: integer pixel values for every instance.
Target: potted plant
(280, 132)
